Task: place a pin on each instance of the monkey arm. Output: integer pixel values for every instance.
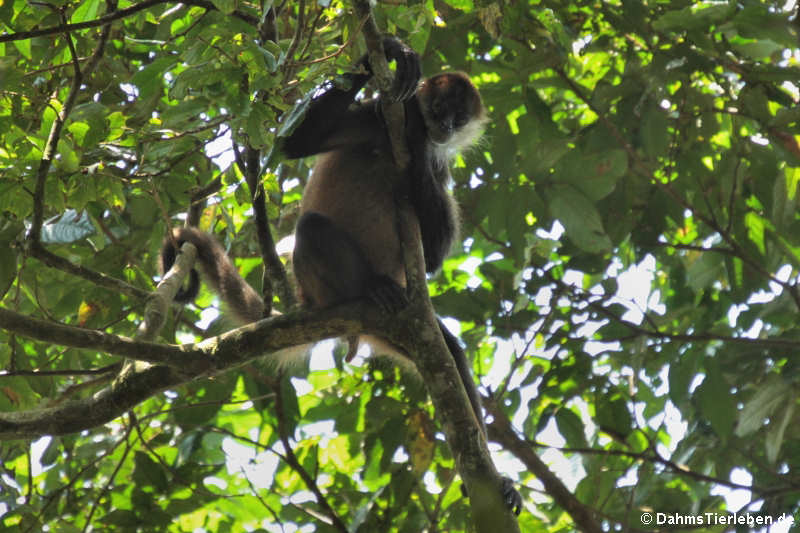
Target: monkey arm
(330, 125)
(327, 121)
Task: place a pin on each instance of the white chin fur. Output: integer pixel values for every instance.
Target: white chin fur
(460, 140)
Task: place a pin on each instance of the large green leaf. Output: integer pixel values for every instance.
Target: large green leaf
(580, 218)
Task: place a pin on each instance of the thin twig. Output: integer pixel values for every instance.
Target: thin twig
(111, 17)
(73, 372)
(294, 464)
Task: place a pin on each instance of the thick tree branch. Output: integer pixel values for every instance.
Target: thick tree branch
(172, 365)
(429, 351)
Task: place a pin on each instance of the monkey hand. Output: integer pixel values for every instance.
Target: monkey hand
(408, 73)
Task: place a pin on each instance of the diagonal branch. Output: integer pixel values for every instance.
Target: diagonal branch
(429, 351)
(53, 137)
(36, 248)
(501, 431)
(274, 272)
(294, 463)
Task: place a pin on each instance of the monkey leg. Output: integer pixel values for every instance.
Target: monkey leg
(331, 267)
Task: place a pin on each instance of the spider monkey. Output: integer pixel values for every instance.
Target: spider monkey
(346, 244)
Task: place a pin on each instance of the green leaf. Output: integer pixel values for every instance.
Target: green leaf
(257, 122)
(291, 408)
(695, 17)
(716, 401)
(225, 6)
(571, 428)
(186, 112)
(655, 133)
(770, 395)
(87, 10)
(24, 47)
(593, 174)
(756, 227)
(151, 79)
(463, 5)
(122, 518)
(758, 22)
(704, 270)
(681, 374)
(148, 473)
(52, 453)
(580, 218)
(777, 429)
(613, 415)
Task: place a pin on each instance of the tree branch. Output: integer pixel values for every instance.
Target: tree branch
(36, 248)
(294, 463)
(111, 17)
(639, 331)
(502, 432)
(428, 349)
(38, 251)
(653, 456)
(53, 137)
(274, 271)
(172, 365)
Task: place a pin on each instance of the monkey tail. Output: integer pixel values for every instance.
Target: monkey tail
(353, 343)
(464, 371)
(218, 271)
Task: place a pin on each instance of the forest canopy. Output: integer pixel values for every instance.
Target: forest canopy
(626, 283)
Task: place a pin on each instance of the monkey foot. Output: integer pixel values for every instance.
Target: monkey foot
(387, 294)
(511, 497)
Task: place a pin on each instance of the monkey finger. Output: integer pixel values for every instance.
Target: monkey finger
(407, 77)
(352, 348)
(408, 70)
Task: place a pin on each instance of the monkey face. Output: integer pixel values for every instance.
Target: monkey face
(452, 109)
